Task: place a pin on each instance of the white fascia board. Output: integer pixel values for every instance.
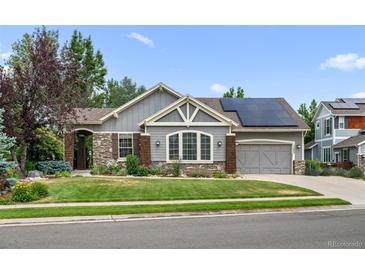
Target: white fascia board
(269, 130)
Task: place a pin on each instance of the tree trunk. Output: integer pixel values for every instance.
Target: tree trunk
(15, 159)
(23, 159)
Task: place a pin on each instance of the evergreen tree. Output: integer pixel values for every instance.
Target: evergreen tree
(92, 68)
(307, 114)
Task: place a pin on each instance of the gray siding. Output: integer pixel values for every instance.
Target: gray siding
(352, 154)
(158, 153)
(201, 116)
(346, 132)
(128, 119)
(286, 136)
(173, 116)
(312, 152)
(319, 133)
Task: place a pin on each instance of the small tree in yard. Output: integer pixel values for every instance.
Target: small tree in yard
(40, 89)
(6, 143)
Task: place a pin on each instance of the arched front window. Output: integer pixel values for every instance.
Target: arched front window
(190, 146)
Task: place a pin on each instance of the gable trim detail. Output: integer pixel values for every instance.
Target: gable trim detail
(158, 87)
(199, 106)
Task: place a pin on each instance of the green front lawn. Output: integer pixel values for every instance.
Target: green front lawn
(135, 209)
(87, 189)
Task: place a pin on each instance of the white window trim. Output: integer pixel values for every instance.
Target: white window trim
(348, 154)
(120, 133)
(198, 136)
(341, 119)
(325, 126)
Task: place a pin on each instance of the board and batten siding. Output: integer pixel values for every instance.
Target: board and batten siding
(295, 137)
(129, 118)
(159, 133)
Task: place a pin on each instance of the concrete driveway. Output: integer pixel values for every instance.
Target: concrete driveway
(352, 190)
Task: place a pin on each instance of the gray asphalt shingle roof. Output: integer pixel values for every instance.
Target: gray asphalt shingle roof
(350, 142)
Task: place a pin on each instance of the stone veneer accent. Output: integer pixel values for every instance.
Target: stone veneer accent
(145, 150)
(231, 153)
(298, 167)
(68, 141)
(102, 148)
(188, 169)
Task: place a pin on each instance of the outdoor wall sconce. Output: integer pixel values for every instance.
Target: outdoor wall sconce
(298, 146)
(157, 143)
(219, 143)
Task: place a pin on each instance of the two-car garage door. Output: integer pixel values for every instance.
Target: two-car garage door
(264, 158)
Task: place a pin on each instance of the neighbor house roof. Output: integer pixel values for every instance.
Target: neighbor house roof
(346, 106)
(350, 142)
(216, 104)
(310, 145)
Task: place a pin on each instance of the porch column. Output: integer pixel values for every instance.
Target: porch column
(68, 141)
(145, 149)
(231, 153)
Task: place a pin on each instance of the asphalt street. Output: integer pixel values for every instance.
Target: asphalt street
(328, 229)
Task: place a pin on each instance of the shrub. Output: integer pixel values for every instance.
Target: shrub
(51, 167)
(62, 174)
(30, 165)
(113, 168)
(26, 192)
(99, 170)
(142, 171)
(176, 168)
(341, 172)
(313, 168)
(38, 190)
(355, 172)
(157, 170)
(5, 167)
(200, 173)
(11, 181)
(219, 174)
(132, 164)
(328, 172)
(122, 172)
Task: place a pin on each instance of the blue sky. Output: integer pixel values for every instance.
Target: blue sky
(295, 62)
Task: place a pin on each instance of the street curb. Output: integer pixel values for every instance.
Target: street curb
(170, 215)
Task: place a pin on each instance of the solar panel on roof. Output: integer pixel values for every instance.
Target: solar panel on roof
(259, 112)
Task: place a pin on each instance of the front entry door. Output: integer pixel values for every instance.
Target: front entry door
(81, 153)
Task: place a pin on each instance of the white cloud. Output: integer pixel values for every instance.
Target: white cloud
(4, 55)
(218, 88)
(143, 39)
(358, 95)
(348, 61)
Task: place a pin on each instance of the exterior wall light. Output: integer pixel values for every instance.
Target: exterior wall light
(219, 143)
(157, 143)
(299, 146)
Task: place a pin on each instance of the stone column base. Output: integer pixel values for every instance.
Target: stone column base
(298, 167)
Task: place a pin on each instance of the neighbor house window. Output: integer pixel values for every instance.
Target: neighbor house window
(341, 122)
(327, 129)
(345, 154)
(326, 154)
(189, 146)
(125, 145)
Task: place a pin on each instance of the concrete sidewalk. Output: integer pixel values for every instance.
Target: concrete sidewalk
(163, 202)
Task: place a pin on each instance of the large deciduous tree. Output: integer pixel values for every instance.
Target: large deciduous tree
(307, 114)
(92, 68)
(40, 89)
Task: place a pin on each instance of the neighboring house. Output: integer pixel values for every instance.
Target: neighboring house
(338, 132)
(251, 135)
